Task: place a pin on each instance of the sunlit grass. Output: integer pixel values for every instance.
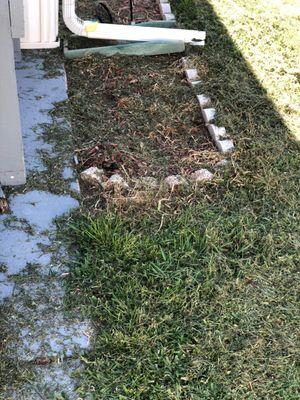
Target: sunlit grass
(268, 36)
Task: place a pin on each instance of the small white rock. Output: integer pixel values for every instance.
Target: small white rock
(184, 61)
(194, 83)
(216, 132)
(204, 100)
(191, 74)
(225, 146)
(169, 17)
(118, 181)
(75, 158)
(197, 43)
(202, 175)
(174, 180)
(165, 8)
(92, 175)
(208, 114)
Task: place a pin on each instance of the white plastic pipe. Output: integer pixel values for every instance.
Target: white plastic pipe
(97, 30)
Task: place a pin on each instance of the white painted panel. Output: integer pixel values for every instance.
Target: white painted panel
(41, 24)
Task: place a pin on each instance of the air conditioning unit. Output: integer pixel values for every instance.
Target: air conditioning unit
(41, 24)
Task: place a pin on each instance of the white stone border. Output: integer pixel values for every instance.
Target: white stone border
(220, 137)
(165, 10)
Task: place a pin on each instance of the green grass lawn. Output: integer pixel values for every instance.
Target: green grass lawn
(267, 36)
(197, 298)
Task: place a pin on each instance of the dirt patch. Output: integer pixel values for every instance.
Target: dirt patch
(137, 116)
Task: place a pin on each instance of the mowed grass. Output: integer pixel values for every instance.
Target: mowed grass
(198, 298)
(249, 41)
(203, 308)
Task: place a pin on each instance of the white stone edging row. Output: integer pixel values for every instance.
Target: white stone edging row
(165, 9)
(218, 134)
(166, 12)
(95, 176)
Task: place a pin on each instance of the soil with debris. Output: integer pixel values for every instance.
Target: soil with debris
(143, 10)
(137, 116)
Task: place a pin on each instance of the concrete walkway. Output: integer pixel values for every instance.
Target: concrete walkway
(45, 340)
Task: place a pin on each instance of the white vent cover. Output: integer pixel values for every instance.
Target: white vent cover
(41, 24)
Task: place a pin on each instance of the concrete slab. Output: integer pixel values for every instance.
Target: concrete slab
(33, 260)
(40, 208)
(37, 96)
(54, 379)
(20, 248)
